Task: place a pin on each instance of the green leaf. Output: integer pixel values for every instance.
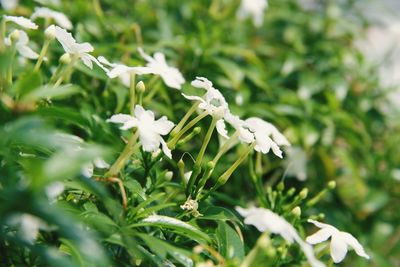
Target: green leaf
(50, 92)
(27, 83)
(229, 243)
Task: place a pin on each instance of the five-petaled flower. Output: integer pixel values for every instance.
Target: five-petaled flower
(265, 220)
(76, 49)
(340, 241)
(266, 136)
(21, 44)
(171, 76)
(213, 102)
(150, 130)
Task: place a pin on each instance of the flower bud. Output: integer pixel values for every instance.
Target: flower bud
(50, 32)
(210, 165)
(303, 193)
(296, 211)
(280, 186)
(331, 184)
(168, 175)
(140, 87)
(196, 130)
(65, 59)
(291, 191)
(14, 36)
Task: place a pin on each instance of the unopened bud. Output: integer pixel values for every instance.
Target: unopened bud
(291, 191)
(181, 164)
(210, 165)
(331, 184)
(168, 175)
(196, 130)
(65, 59)
(15, 36)
(50, 32)
(140, 87)
(296, 211)
(280, 186)
(303, 193)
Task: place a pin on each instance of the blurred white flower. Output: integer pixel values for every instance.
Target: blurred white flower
(21, 44)
(150, 130)
(265, 220)
(53, 190)
(21, 21)
(296, 163)
(340, 241)
(254, 9)
(99, 163)
(9, 4)
(213, 102)
(171, 76)
(76, 49)
(123, 72)
(28, 226)
(58, 17)
(267, 136)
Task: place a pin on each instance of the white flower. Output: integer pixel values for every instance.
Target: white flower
(296, 163)
(340, 241)
(150, 130)
(171, 76)
(265, 220)
(21, 44)
(58, 17)
(21, 21)
(213, 102)
(28, 226)
(88, 169)
(123, 72)
(53, 190)
(267, 136)
(9, 4)
(254, 9)
(76, 49)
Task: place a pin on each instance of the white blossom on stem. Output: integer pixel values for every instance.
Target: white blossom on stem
(340, 241)
(171, 76)
(245, 135)
(58, 17)
(21, 21)
(213, 102)
(80, 50)
(266, 136)
(254, 9)
(21, 44)
(150, 130)
(266, 220)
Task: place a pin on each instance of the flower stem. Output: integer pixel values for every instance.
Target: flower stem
(10, 68)
(42, 53)
(225, 147)
(179, 126)
(227, 174)
(66, 72)
(132, 90)
(126, 153)
(175, 139)
(2, 35)
(199, 159)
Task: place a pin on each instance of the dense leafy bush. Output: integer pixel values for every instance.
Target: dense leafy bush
(76, 190)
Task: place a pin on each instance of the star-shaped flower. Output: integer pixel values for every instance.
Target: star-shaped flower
(76, 49)
(213, 102)
(265, 220)
(21, 44)
(171, 76)
(267, 136)
(150, 130)
(58, 17)
(340, 241)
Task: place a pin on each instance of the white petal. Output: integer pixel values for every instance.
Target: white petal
(338, 248)
(86, 59)
(145, 56)
(120, 118)
(353, 242)
(60, 19)
(193, 97)
(163, 125)
(9, 4)
(22, 21)
(27, 52)
(129, 124)
(101, 164)
(221, 128)
(87, 170)
(321, 225)
(320, 236)
(202, 82)
(165, 149)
